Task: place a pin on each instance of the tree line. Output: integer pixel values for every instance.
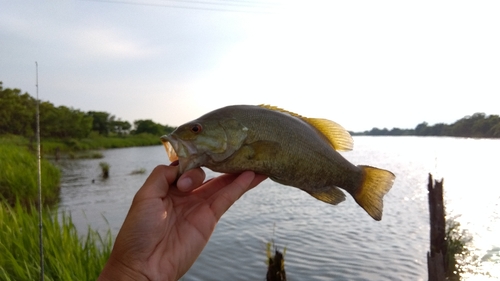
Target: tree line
(478, 125)
(18, 117)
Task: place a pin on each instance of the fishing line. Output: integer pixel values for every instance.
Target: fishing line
(40, 222)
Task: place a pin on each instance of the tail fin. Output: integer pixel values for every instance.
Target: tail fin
(376, 184)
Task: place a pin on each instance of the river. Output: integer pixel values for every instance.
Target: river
(323, 242)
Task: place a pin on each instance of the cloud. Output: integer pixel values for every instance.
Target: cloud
(76, 40)
(108, 43)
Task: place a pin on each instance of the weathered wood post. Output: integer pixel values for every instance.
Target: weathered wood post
(438, 247)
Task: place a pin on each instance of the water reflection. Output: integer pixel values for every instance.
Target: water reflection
(323, 242)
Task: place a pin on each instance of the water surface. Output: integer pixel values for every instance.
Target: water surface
(323, 242)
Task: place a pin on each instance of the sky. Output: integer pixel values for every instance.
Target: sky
(363, 64)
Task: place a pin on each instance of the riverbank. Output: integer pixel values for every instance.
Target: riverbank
(18, 162)
(52, 146)
(82, 258)
(19, 177)
(99, 142)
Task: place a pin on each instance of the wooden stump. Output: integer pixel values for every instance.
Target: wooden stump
(276, 268)
(438, 247)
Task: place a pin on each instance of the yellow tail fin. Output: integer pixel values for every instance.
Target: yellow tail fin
(376, 184)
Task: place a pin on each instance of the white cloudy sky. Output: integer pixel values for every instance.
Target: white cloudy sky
(363, 64)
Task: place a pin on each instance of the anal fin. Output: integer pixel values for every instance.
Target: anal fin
(331, 195)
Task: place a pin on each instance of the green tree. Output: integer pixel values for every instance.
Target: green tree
(120, 127)
(464, 126)
(17, 112)
(63, 122)
(148, 126)
(421, 129)
(495, 131)
(100, 122)
(18, 116)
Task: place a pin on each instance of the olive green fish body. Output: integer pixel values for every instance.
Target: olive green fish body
(290, 149)
(308, 162)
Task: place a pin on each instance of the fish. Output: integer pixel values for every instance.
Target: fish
(290, 149)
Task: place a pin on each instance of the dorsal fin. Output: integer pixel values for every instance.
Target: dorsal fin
(275, 108)
(339, 138)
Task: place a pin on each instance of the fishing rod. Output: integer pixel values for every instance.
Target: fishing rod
(40, 221)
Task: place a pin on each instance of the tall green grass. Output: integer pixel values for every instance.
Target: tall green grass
(66, 255)
(19, 173)
(9, 139)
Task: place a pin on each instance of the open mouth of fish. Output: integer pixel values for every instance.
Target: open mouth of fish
(185, 152)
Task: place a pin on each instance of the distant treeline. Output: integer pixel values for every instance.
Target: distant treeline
(18, 117)
(479, 125)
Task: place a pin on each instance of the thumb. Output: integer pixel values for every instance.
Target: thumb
(156, 185)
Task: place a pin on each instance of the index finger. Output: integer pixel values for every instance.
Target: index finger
(162, 177)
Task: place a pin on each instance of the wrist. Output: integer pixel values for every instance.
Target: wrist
(115, 270)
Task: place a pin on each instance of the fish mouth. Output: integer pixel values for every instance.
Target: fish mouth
(185, 152)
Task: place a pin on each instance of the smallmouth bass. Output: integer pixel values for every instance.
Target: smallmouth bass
(289, 148)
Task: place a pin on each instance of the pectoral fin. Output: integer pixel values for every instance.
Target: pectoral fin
(256, 156)
(331, 195)
(264, 150)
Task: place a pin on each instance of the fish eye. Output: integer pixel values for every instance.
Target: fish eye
(196, 128)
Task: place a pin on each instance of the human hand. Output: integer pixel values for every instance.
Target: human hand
(169, 224)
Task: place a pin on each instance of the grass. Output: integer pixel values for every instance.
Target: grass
(96, 142)
(13, 140)
(275, 263)
(458, 256)
(86, 155)
(105, 169)
(138, 171)
(19, 176)
(82, 258)
(66, 255)
(80, 148)
(18, 162)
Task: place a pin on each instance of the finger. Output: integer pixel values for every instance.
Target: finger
(258, 179)
(231, 192)
(191, 180)
(213, 185)
(156, 185)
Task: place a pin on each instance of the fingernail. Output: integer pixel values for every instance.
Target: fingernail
(175, 163)
(184, 183)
